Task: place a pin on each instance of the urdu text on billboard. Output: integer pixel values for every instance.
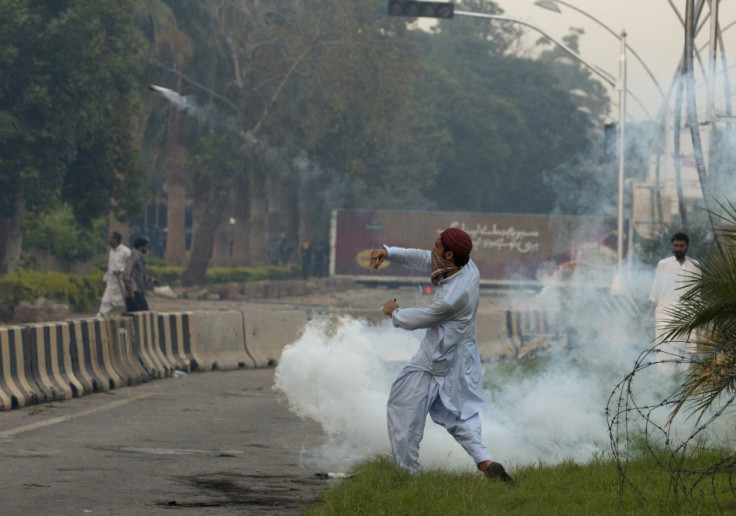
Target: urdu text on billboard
(508, 248)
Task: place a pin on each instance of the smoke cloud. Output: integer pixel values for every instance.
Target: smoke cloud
(339, 373)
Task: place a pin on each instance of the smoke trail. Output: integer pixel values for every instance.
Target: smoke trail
(186, 104)
(332, 187)
(209, 114)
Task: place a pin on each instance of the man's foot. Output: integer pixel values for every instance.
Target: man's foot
(495, 471)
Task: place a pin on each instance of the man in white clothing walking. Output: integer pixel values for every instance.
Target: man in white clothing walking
(113, 298)
(670, 283)
(443, 379)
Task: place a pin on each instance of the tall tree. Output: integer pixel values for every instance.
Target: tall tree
(513, 122)
(253, 59)
(66, 76)
(165, 129)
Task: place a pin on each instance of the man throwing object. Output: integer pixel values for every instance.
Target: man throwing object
(443, 379)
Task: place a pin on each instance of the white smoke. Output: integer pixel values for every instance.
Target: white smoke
(339, 373)
(186, 104)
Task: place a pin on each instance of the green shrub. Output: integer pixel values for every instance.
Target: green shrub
(219, 275)
(82, 293)
(168, 274)
(59, 233)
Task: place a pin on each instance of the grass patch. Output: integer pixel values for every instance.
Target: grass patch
(379, 487)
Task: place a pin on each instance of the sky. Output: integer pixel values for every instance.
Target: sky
(653, 30)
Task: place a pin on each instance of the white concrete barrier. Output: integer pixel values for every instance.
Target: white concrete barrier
(220, 338)
(268, 331)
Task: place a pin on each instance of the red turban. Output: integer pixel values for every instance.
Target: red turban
(457, 241)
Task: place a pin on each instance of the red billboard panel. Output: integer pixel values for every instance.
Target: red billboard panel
(508, 248)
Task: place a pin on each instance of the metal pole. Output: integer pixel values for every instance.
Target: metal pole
(712, 58)
(618, 284)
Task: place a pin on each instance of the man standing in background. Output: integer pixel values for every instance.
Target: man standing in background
(670, 284)
(113, 297)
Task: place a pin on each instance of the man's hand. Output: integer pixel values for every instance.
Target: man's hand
(377, 257)
(390, 306)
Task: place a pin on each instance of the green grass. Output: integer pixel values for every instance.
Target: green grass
(379, 487)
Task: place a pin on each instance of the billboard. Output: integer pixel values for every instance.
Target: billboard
(507, 248)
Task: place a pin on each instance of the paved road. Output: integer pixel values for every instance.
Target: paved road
(207, 443)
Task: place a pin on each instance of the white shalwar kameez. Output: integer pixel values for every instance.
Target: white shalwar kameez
(670, 282)
(113, 298)
(443, 379)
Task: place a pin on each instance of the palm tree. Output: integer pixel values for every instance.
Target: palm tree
(706, 316)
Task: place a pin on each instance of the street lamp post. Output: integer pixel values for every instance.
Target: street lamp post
(618, 283)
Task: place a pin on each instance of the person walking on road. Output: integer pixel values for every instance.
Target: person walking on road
(135, 277)
(444, 378)
(113, 298)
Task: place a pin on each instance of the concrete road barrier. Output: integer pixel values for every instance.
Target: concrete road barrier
(146, 346)
(49, 346)
(16, 378)
(533, 331)
(175, 340)
(523, 324)
(267, 332)
(220, 340)
(120, 336)
(91, 352)
(83, 366)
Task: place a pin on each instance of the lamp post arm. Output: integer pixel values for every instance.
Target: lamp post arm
(616, 35)
(601, 73)
(607, 77)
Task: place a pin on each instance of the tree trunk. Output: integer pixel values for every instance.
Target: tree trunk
(257, 237)
(274, 219)
(207, 216)
(113, 224)
(290, 193)
(176, 242)
(11, 235)
(221, 248)
(241, 214)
